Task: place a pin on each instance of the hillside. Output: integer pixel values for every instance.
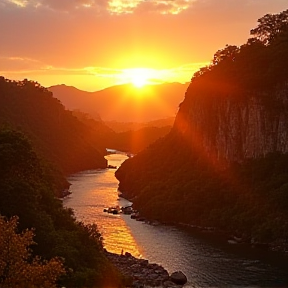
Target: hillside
(133, 126)
(138, 140)
(57, 135)
(130, 141)
(124, 103)
(224, 164)
(27, 189)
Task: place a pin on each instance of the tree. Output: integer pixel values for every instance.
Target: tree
(270, 26)
(229, 52)
(17, 267)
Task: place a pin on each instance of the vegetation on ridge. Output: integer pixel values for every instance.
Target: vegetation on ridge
(258, 65)
(56, 134)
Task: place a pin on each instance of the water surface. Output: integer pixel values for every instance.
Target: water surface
(206, 262)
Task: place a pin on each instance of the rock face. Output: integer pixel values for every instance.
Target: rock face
(232, 128)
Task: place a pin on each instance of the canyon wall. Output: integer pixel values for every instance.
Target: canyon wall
(229, 128)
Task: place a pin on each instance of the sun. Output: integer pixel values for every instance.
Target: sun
(139, 80)
(139, 77)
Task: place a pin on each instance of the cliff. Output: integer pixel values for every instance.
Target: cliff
(224, 164)
(229, 128)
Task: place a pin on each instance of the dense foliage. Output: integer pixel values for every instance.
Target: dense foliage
(170, 181)
(259, 64)
(18, 268)
(27, 190)
(55, 132)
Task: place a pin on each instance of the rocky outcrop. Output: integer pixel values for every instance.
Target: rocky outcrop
(225, 127)
(141, 273)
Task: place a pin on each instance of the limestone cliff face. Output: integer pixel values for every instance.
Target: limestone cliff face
(228, 128)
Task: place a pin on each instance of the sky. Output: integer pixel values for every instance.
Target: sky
(94, 44)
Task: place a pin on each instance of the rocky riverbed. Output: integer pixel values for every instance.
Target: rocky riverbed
(140, 273)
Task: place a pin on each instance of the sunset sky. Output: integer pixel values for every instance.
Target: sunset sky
(93, 44)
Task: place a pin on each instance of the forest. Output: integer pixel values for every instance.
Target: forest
(171, 182)
(56, 134)
(35, 219)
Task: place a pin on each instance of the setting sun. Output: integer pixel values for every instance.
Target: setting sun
(140, 77)
(139, 80)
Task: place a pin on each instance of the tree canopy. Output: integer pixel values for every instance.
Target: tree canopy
(18, 268)
(259, 64)
(270, 27)
(27, 189)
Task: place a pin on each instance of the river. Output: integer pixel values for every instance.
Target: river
(206, 262)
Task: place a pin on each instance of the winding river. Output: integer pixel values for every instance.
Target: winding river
(206, 262)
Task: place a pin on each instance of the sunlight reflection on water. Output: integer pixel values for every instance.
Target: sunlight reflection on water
(99, 187)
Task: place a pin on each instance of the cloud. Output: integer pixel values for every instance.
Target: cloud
(59, 5)
(15, 67)
(15, 63)
(164, 6)
(118, 7)
(20, 3)
(111, 6)
(21, 65)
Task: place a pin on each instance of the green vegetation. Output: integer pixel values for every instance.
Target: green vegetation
(260, 64)
(56, 134)
(17, 269)
(172, 182)
(27, 190)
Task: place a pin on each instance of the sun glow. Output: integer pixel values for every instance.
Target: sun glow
(140, 77)
(139, 80)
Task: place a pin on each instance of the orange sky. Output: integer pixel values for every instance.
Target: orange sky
(88, 43)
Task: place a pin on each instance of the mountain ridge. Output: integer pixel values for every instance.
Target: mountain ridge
(124, 103)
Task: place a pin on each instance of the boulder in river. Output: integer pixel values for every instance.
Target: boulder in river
(178, 278)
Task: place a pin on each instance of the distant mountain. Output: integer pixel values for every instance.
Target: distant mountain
(124, 103)
(138, 140)
(133, 126)
(131, 140)
(56, 133)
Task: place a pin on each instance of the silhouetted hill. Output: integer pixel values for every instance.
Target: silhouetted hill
(130, 141)
(225, 161)
(124, 103)
(133, 126)
(138, 140)
(55, 132)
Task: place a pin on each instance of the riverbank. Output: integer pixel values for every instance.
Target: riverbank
(232, 237)
(140, 273)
